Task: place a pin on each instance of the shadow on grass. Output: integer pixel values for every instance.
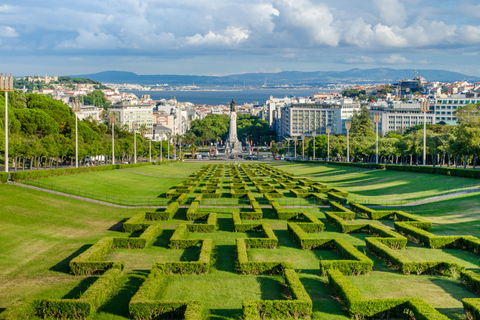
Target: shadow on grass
(118, 226)
(225, 314)
(128, 286)
(271, 288)
(63, 266)
(181, 214)
(322, 298)
(225, 258)
(190, 254)
(164, 239)
(225, 224)
(285, 240)
(76, 292)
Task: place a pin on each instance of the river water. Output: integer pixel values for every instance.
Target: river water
(224, 97)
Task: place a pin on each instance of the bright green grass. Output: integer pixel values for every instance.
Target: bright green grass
(43, 232)
(383, 186)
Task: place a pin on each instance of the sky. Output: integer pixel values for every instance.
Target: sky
(222, 37)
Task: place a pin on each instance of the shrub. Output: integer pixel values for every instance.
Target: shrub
(4, 177)
(167, 214)
(190, 267)
(136, 223)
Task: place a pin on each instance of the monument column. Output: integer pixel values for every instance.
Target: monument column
(233, 143)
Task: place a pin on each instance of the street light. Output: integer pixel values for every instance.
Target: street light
(314, 134)
(161, 151)
(180, 143)
(303, 146)
(424, 108)
(348, 125)
(135, 127)
(288, 141)
(76, 107)
(150, 147)
(169, 135)
(329, 130)
(376, 119)
(295, 146)
(6, 85)
(113, 119)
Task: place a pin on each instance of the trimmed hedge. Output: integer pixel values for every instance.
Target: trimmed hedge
(36, 174)
(270, 240)
(336, 197)
(472, 308)
(406, 266)
(190, 267)
(208, 227)
(361, 308)
(136, 223)
(4, 177)
(143, 305)
(244, 266)
(167, 214)
(89, 261)
(356, 264)
(299, 307)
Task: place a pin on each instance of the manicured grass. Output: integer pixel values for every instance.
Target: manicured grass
(40, 233)
(381, 186)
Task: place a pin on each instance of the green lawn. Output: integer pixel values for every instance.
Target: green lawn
(381, 186)
(40, 233)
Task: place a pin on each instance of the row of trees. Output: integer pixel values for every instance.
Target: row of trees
(215, 127)
(445, 144)
(42, 132)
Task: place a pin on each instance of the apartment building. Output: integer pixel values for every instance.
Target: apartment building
(445, 106)
(130, 114)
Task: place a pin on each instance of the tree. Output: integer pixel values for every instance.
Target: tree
(362, 125)
(274, 148)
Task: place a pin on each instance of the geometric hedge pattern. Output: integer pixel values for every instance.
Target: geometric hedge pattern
(253, 226)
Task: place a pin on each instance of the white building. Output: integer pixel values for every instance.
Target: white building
(445, 106)
(128, 114)
(297, 119)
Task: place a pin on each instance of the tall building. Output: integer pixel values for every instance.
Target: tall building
(446, 105)
(399, 116)
(128, 114)
(304, 118)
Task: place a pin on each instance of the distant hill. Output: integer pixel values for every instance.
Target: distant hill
(293, 78)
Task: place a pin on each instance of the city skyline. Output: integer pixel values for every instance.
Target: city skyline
(227, 37)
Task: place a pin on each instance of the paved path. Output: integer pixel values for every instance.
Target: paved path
(80, 198)
(414, 203)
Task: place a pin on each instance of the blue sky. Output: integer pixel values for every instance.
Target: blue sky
(220, 37)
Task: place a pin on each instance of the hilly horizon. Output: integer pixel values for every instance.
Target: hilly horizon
(290, 78)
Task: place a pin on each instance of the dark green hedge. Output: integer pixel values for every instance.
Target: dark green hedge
(36, 174)
(4, 177)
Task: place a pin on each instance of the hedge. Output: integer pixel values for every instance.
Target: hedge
(136, 223)
(143, 305)
(472, 308)
(270, 240)
(336, 197)
(406, 266)
(208, 227)
(95, 296)
(243, 227)
(361, 308)
(299, 307)
(380, 166)
(190, 267)
(471, 280)
(89, 262)
(4, 177)
(244, 266)
(167, 214)
(356, 264)
(178, 239)
(36, 174)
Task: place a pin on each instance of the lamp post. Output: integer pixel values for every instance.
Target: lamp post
(424, 108)
(376, 119)
(113, 119)
(149, 148)
(295, 146)
(169, 135)
(161, 151)
(6, 85)
(329, 130)
(180, 143)
(76, 107)
(288, 142)
(303, 146)
(348, 125)
(135, 127)
(314, 134)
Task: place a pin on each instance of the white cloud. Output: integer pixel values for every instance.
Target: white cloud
(90, 40)
(391, 12)
(7, 32)
(394, 59)
(230, 36)
(314, 20)
(360, 60)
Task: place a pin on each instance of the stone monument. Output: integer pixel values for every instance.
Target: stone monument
(233, 145)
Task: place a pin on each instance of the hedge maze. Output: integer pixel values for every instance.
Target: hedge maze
(241, 242)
